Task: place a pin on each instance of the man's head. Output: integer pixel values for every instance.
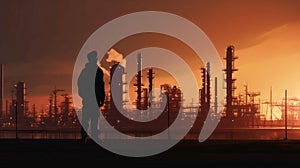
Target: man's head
(92, 56)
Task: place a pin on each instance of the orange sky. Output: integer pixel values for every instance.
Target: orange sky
(273, 60)
(40, 40)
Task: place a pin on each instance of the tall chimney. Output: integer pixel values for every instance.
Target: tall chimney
(139, 81)
(150, 78)
(216, 95)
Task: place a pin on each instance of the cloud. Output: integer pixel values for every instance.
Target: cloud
(272, 62)
(114, 55)
(247, 43)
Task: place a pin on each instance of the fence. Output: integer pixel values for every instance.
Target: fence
(219, 134)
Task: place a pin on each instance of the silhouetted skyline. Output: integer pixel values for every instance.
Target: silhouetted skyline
(40, 40)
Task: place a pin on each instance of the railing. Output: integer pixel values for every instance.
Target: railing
(220, 134)
(40, 134)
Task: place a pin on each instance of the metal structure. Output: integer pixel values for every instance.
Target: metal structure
(65, 109)
(145, 99)
(205, 99)
(174, 100)
(216, 95)
(278, 112)
(138, 83)
(230, 87)
(20, 102)
(150, 78)
(54, 92)
(117, 71)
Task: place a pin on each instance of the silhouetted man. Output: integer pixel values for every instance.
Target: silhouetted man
(91, 97)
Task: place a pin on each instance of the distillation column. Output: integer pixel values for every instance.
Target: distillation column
(230, 58)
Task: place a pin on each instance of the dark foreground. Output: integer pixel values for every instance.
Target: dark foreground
(226, 153)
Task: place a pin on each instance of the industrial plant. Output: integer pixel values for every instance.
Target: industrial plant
(241, 111)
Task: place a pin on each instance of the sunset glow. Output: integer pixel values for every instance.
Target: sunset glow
(265, 35)
(199, 81)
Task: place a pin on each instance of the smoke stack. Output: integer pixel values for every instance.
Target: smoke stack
(216, 95)
(150, 77)
(208, 85)
(139, 81)
(1, 88)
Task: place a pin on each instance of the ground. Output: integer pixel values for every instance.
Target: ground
(213, 152)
